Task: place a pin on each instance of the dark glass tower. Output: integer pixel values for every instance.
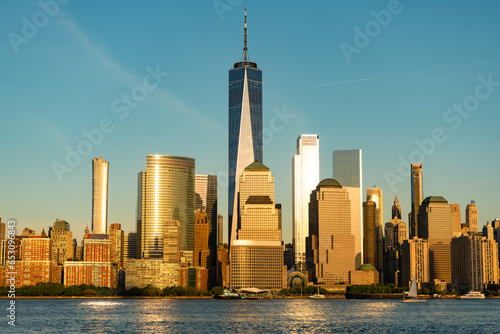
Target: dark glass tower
(245, 127)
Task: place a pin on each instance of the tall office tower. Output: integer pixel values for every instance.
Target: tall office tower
(165, 192)
(488, 231)
(457, 219)
(171, 242)
(330, 244)
(471, 217)
(256, 255)
(116, 236)
(206, 199)
(348, 171)
(376, 195)
(222, 265)
(370, 234)
(201, 236)
(474, 263)
(396, 209)
(435, 223)
(417, 195)
(2, 230)
(414, 260)
(130, 245)
(389, 240)
(220, 233)
(305, 178)
(62, 242)
(245, 128)
(400, 232)
(100, 175)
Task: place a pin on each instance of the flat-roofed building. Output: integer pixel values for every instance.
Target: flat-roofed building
(414, 260)
(142, 272)
(102, 274)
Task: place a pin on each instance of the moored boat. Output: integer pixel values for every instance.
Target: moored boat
(472, 295)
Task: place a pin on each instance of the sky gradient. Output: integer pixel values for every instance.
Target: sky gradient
(401, 85)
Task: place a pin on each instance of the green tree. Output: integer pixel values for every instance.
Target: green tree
(73, 290)
(89, 292)
(216, 290)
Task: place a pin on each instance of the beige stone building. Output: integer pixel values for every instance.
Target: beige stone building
(474, 261)
(117, 236)
(330, 245)
(457, 220)
(414, 260)
(471, 218)
(256, 256)
(436, 225)
(62, 242)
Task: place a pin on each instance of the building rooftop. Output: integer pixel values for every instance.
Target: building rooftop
(256, 165)
(329, 183)
(435, 199)
(367, 267)
(259, 200)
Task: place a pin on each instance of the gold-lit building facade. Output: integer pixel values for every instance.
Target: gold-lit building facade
(100, 177)
(414, 260)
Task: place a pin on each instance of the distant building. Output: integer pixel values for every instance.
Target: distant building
(171, 242)
(36, 248)
(2, 230)
(348, 171)
(288, 256)
(488, 231)
(436, 225)
(396, 209)
(97, 248)
(474, 262)
(256, 255)
(330, 245)
(471, 218)
(223, 267)
(116, 237)
(220, 233)
(201, 238)
(417, 196)
(196, 277)
(142, 272)
(457, 219)
(305, 177)
(130, 246)
(62, 242)
(100, 176)
(414, 260)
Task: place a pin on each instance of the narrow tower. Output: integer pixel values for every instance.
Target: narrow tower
(245, 127)
(100, 175)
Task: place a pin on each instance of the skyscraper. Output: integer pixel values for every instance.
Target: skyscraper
(330, 244)
(417, 195)
(435, 223)
(457, 220)
(348, 171)
(396, 209)
(165, 192)
(414, 260)
(305, 177)
(100, 175)
(257, 252)
(245, 127)
(471, 218)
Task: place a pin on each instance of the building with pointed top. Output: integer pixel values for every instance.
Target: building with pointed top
(245, 128)
(396, 209)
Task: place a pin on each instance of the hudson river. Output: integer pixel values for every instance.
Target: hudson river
(251, 316)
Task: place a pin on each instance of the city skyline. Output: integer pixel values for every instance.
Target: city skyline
(98, 57)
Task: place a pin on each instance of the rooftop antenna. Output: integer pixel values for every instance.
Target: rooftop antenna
(245, 49)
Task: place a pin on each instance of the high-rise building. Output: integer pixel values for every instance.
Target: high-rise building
(171, 242)
(222, 265)
(457, 219)
(414, 260)
(117, 236)
(474, 263)
(471, 218)
(91, 273)
(62, 242)
(348, 171)
(370, 252)
(100, 175)
(417, 195)
(201, 236)
(206, 199)
(165, 192)
(36, 248)
(488, 231)
(97, 248)
(396, 209)
(330, 245)
(220, 233)
(375, 239)
(130, 246)
(2, 230)
(376, 195)
(400, 232)
(435, 223)
(305, 177)
(245, 128)
(256, 255)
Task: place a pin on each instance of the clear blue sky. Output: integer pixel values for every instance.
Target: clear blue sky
(396, 88)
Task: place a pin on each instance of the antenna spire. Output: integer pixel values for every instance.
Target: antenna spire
(245, 43)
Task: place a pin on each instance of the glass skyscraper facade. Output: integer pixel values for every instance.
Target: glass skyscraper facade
(305, 178)
(348, 170)
(100, 175)
(245, 128)
(165, 192)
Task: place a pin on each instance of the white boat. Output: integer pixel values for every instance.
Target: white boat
(317, 295)
(472, 295)
(412, 295)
